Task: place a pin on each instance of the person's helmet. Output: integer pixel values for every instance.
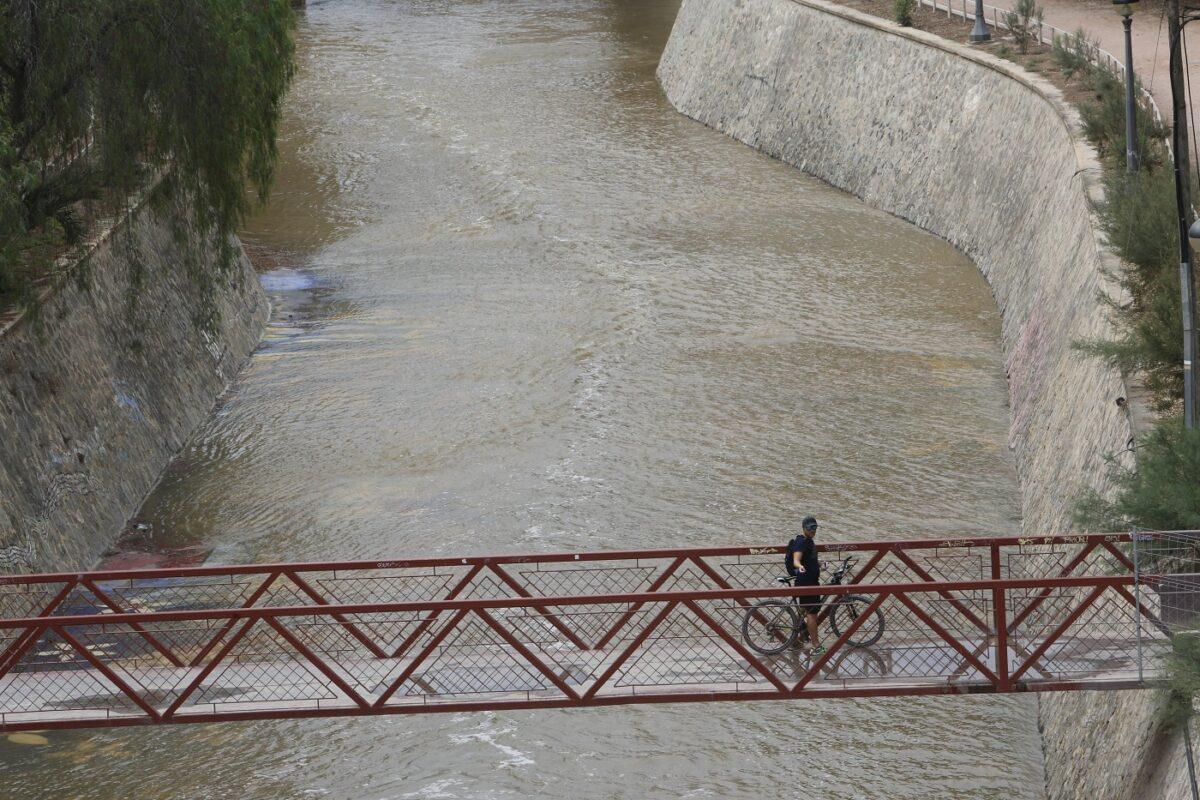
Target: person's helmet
(809, 524)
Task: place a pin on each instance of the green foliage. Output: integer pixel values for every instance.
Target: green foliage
(902, 11)
(1103, 114)
(1139, 221)
(1162, 494)
(1104, 121)
(188, 89)
(1149, 343)
(14, 177)
(1074, 54)
(1138, 218)
(1024, 22)
(1183, 680)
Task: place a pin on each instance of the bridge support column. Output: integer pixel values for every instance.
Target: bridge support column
(998, 602)
(1000, 622)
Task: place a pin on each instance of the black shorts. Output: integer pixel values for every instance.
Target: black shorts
(809, 603)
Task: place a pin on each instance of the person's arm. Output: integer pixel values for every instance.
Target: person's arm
(808, 548)
(796, 561)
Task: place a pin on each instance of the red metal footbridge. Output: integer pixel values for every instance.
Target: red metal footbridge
(216, 643)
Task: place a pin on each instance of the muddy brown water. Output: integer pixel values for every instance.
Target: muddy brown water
(523, 305)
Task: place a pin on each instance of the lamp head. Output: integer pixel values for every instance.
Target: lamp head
(1125, 7)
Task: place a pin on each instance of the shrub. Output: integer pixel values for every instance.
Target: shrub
(1024, 22)
(1183, 680)
(1149, 343)
(1162, 494)
(1104, 120)
(1074, 54)
(1138, 217)
(902, 11)
(1139, 220)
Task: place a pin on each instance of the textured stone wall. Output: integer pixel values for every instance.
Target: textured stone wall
(96, 400)
(990, 158)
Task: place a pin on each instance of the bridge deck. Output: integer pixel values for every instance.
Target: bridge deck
(240, 691)
(224, 643)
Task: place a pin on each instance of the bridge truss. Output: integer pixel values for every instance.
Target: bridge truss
(207, 644)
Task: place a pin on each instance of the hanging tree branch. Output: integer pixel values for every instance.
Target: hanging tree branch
(191, 89)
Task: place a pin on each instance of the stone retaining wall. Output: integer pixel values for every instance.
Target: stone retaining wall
(990, 158)
(96, 399)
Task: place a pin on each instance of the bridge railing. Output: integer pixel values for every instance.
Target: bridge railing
(957, 558)
(473, 654)
(612, 572)
(221, 643)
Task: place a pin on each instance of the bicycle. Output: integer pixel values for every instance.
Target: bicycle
(772, 626)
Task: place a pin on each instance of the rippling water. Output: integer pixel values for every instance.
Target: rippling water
(521, 304)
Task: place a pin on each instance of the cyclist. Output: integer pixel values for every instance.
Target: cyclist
(805, 569)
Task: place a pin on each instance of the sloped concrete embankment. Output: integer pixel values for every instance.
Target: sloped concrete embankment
(990, 158)
(96, 400)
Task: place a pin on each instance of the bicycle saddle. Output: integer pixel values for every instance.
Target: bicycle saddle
(786, 579)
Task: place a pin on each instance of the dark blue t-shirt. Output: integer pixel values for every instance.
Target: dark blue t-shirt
(808, 557)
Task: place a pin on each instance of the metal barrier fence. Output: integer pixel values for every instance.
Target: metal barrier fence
(933, 617)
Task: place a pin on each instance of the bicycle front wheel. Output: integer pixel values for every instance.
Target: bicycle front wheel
(769, 626)
(849, 608)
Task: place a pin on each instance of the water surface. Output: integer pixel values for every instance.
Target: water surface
(523, 305)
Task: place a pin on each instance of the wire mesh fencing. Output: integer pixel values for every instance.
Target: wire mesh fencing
(904, 618)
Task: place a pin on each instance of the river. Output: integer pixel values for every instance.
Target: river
(521, 304)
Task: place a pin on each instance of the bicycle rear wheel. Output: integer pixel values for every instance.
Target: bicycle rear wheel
(849, 608)
(769, 626)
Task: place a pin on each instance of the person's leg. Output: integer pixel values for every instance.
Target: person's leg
(802, 631)
(810, 617)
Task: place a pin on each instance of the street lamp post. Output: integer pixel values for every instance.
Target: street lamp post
(1125, 9)
(1179, 143)
(980, 32)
